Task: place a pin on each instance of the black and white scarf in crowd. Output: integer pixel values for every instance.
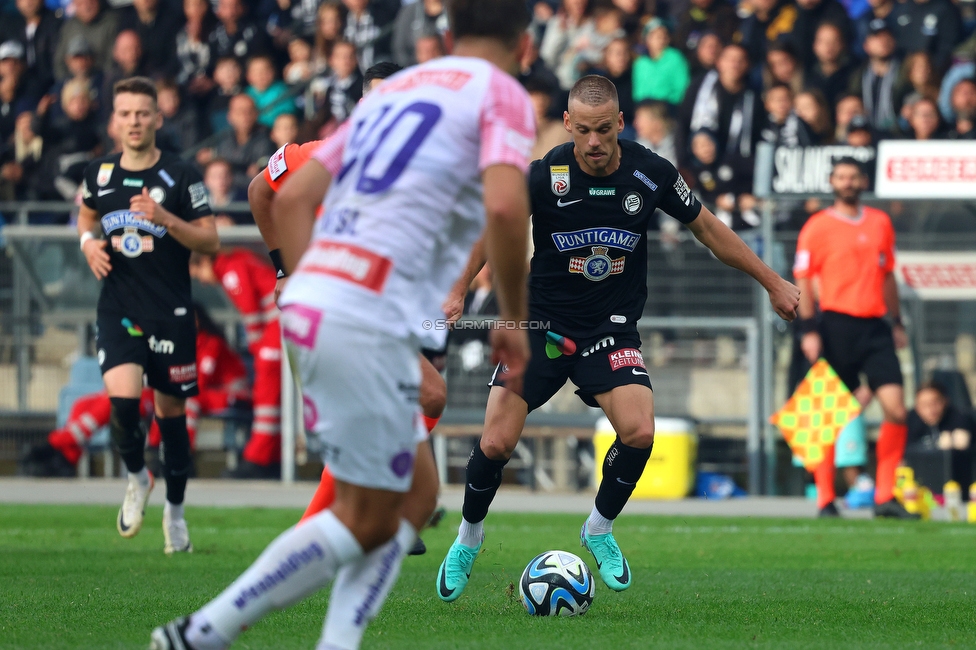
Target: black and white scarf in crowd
(705, 115)
(876, 93)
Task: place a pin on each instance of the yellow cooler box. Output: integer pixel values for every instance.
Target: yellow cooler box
(670, 472)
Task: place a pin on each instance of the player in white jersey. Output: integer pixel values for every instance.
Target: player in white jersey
(434, 156)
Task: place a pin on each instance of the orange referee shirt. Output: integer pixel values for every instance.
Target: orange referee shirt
(851, 258)
(286, 160)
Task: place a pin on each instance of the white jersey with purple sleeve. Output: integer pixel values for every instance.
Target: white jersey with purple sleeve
(405, 205)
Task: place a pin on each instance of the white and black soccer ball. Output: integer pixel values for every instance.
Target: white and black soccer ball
(556, 583)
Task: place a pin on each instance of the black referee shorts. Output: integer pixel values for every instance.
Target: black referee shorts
(854, 345)
(596, 364)
(165, 348)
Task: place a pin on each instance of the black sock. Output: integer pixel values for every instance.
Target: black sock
(483, 478)
(127, 432)
(175, 453)
(622, 468)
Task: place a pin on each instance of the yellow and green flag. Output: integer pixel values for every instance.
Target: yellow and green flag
(812, 418)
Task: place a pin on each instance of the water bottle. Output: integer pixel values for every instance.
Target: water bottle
(909, 494)
(952, 494)
(903, 476)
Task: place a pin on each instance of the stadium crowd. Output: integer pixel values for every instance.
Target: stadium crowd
(701, 81)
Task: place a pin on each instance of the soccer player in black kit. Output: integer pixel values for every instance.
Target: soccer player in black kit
(591, 202)
(153, 210)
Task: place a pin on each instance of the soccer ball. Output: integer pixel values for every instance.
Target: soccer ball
(556, 583)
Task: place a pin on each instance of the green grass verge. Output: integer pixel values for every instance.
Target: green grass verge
(67, 580)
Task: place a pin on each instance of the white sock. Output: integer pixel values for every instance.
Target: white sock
(141, 477)
(172, 511)
(471, 534)
(597, 524)
(361, 588)
(298, 563)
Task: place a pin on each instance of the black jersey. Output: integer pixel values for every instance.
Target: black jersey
(589, 268)
(150, 275)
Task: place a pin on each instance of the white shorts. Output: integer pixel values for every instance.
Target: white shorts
(359, 389)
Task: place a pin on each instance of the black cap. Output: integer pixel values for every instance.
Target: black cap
(858, 123)
(878, 25)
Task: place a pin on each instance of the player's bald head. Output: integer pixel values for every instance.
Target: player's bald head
(593, 90)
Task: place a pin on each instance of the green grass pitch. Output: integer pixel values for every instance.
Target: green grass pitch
(67, 580)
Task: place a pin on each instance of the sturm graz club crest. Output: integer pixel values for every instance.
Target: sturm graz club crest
(597, 266)
(632, 203)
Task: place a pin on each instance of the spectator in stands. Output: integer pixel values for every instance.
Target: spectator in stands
(550, 132)
(269, 95)
(722, 102)
(720, 185)
(830, 69)
(932, 26)
(329, 26)
(218, 177)
(809, 123)
(299, 68)
(964, 109)
(917, 81)
(935, 423)
(227, 76)
(235, 34)
(193, 48)
(181, 123)
(157, 26)
(562, 32)
(245, 145)
(778, 101)
(924, 120)
(695, 18)
(285, 130)
(770, 20)
(97, 26)
(422, 18)
(782, 66)
(875, 79)
(428, 48)
(661, 74)
(20, 161)
(70, 141)
(38, 30)
(593, 39)
(368, 25)
(291, 19)
(633, 13)
(810, 15)
(705, 56)
(858, 133)
(655, 130)
(338, 93)
(127, 60)
(847, 107)
(881, 12)
(533, 67)
(18, 93)
(617, 66)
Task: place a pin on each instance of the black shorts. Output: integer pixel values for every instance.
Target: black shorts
(166, 349)
(595, 364)
(854, 345)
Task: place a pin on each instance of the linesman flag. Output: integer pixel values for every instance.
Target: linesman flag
(812, 418)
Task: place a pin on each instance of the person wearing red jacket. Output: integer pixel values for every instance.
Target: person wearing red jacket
(222, 383)
(221, 377)
(59, 455)
(249, 282)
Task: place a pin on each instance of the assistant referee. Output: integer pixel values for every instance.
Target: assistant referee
(849, 248)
